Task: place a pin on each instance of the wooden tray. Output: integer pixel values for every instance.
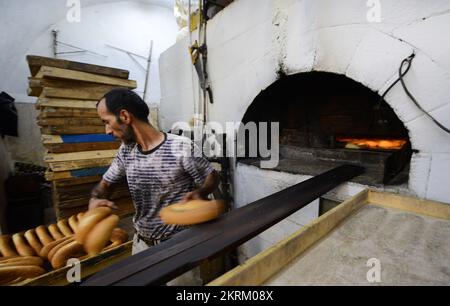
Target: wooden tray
(405, 238)
(88, 267)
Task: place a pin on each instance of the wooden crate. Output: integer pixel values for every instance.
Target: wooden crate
(406, 236)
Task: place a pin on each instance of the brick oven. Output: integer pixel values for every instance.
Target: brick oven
(319, 68)
(328, 119)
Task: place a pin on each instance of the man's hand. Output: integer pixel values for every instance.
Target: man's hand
(194, 195)
(210, 184)
(94, 203)
(99, 196)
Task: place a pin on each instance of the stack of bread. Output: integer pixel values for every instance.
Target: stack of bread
(29, 254)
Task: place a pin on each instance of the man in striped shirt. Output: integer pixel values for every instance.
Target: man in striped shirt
(160, 168)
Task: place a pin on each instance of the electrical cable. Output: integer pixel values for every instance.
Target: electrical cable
(401, 74)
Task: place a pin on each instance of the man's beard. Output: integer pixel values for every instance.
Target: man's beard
(128, 135)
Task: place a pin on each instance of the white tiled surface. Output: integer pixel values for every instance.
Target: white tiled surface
(439, 182)
(419, 173)
(262, 184)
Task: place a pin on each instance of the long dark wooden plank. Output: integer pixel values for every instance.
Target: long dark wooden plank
(190, 247)
(35, 63)
(80, 147)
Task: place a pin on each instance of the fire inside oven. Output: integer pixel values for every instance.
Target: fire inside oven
(327, 120)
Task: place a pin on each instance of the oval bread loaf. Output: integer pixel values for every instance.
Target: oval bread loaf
(55, 232)
(64, 227)
(79, 216)
(100, 234)
(73, 222)
(67, 251)
(15, 281)
(43, 235)
(192, 212)
(6, 246)
(47, 248)
(118, 236)
(22, 260)
(58, 246)
(22, 246)
(89, 220)
(10, 273)
(33, 240)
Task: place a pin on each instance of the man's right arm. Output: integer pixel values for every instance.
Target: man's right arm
(99, 195)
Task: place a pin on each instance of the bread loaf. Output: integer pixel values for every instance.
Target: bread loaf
(10, 273)
(58, 246)
(98, 237)
(6, 246)
(73, 222)
(89, 220)
(79, 216)
(43, 235)
(67, 251)
(22, 260)
(55, 232)
(192, 212)
(118, 236)
(64, 227)
(22, 246)
(15, 281)
(47, 248)
(33, 240)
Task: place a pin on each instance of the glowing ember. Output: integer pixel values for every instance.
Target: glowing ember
(386, 144)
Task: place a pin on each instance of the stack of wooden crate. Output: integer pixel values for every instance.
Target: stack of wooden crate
(78, 150)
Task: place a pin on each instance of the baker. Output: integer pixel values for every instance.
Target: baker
(160, 168)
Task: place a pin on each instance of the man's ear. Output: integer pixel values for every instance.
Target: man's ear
(125, 116)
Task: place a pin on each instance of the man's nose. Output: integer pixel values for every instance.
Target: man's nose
(108, 130)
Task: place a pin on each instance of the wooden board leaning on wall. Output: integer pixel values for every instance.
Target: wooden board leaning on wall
(75, 174)
(79, 164)
(73, 93)
(35, 85)
(70, 121)
(79, 147)
(35, 63)
(58, 112)
(59, 73)
(85, 155)
(77, 180)
(82, 105)
(72, 130)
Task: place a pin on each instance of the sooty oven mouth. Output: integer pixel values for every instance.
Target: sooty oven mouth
(327, 120)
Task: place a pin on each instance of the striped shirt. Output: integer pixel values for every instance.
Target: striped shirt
(158, 178)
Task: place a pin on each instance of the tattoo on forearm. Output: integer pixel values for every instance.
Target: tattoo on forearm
(211, 183)
(101, 191)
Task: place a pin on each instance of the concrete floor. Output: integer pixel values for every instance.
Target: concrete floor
(412, 250)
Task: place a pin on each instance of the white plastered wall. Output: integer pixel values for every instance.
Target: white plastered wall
(128, 25)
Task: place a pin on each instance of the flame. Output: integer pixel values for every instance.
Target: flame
(387, 144)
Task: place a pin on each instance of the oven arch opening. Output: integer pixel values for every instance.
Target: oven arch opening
(327, 119)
